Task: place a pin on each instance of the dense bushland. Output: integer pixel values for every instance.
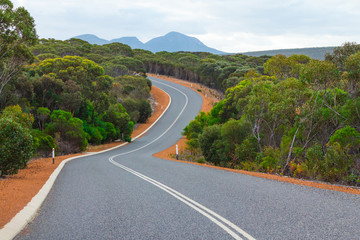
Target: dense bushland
(219, 72)
(74, 103)
(301, 119)
(71, 100)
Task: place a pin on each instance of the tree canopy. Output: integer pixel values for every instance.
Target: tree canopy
(17, 33)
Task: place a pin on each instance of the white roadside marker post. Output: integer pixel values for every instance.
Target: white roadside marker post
(53, 155)
(177, 152)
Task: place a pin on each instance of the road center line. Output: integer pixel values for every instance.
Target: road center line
(181, 112)
(211, 215)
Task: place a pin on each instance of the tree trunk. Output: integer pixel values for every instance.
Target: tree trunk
(290, 150)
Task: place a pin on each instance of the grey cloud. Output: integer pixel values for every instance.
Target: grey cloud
(262, 19)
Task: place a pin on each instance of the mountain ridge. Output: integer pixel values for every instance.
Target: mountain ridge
(171, 42)
(175, 42)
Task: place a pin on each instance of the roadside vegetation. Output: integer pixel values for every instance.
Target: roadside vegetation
(53, 95)
(292, 116)
(300, 118)
(75, 93)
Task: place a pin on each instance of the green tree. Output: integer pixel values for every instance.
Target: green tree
(284, 67)
(43, 143)
(352, 65)
(233, 133)
(42, 114)
(211, 144)
(117, 115)
(17, 33)
(320, 73)
(16, 114)
(340, 54)
(278, 66)
(16, 146)
(67, 131)
(16, 142)
(144, 110)
(47, 91)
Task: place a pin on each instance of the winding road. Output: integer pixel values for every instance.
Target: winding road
(128, 194)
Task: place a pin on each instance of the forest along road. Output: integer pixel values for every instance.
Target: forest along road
(128, 194)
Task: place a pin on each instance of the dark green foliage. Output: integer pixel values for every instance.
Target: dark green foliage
(144, 111)
(340, 54)
(43, 143)
(42, 114)
(16, 146)
(117, 115)
(17, 34)
(132, 92)
(16, 114)
(149, 83)
(79, 87)
(347, 137)
(211, 145)
(302, 121)
(67, 131)
(118, 59)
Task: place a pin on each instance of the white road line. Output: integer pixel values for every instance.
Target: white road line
(167, 107)
(211, 215)
(214, 217)
(181, 112)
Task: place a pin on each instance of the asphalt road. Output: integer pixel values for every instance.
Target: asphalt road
(128, 194)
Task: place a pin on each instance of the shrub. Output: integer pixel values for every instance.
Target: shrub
(201, 160)
(347, 137)
(336, 163)
(16, 113)
(117, 115)
(68, 132)
(271, 159)
(110, 131)
(16, 146)
(211, 144)
(43, 143)
(247, 150)
(144, 110)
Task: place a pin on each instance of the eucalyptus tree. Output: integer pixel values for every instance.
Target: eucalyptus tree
(17, 33)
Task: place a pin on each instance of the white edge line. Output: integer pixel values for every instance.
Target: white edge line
(193, 204)
(181, 112)
(235, 227)
(156, 119)
(22, 218)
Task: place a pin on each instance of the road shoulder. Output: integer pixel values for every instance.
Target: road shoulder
(18, 190)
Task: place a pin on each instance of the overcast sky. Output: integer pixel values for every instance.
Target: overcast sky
(227, 25)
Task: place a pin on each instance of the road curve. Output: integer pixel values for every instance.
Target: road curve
(128, 194)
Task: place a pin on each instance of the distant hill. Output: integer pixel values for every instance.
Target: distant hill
(171, 42)
(315, 53)
(133, 42)
(90, 38)
(175, 42)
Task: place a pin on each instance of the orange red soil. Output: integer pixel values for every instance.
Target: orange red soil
(17, 191)
(208, 101)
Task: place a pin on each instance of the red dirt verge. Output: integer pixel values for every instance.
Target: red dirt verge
(17, 191)
(209, 99)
